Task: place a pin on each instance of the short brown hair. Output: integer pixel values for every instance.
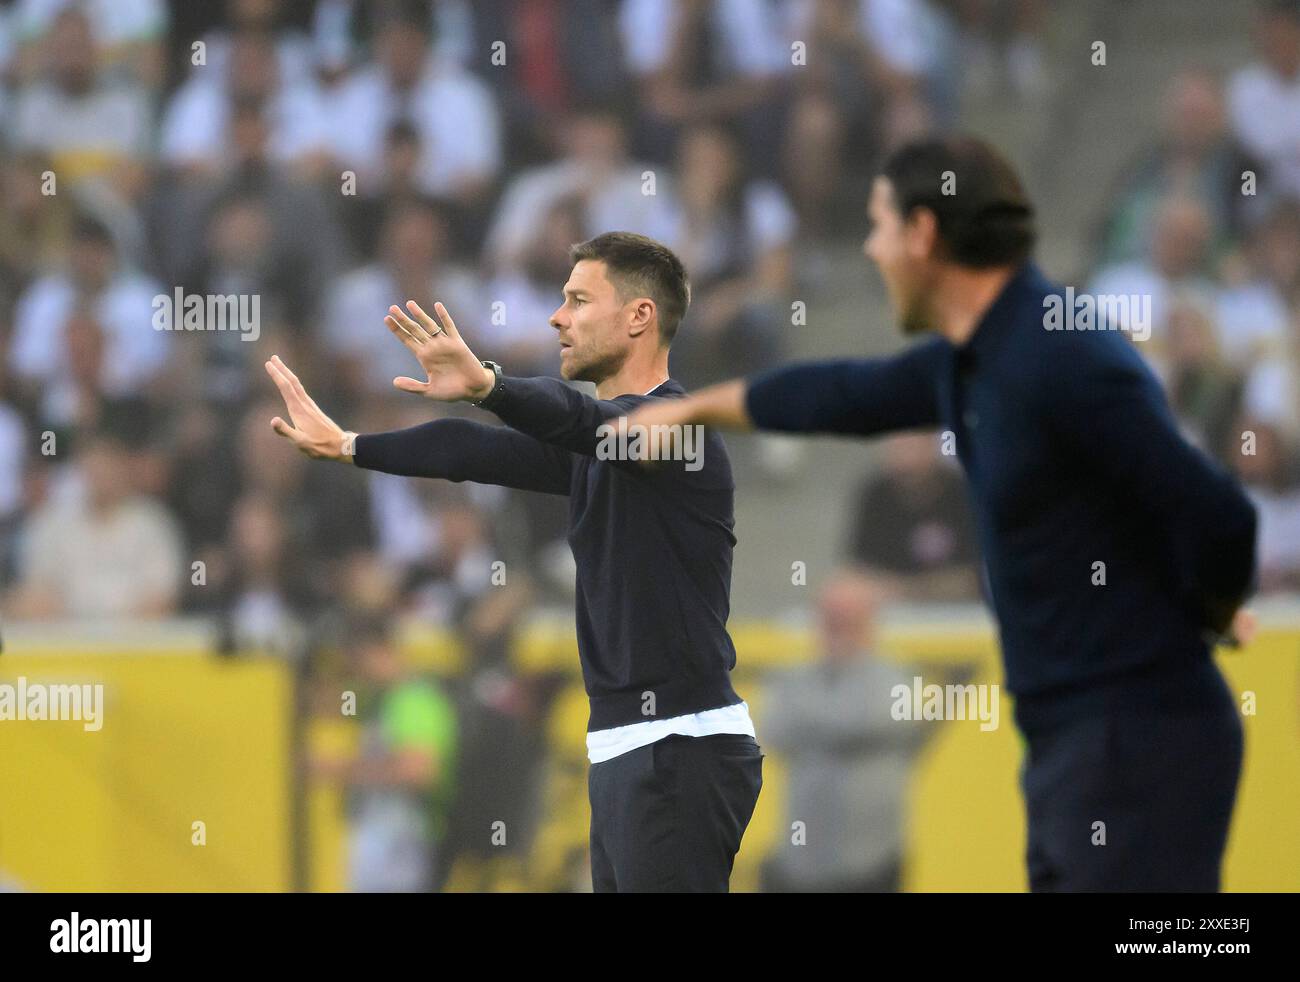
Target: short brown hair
(989, 221)
(639, 266)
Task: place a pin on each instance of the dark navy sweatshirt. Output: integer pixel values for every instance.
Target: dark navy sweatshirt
(1073, 458)
(653, 547)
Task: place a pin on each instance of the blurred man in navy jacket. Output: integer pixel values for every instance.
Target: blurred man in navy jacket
(1115, 553)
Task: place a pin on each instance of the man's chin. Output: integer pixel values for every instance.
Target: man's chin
(570, 371)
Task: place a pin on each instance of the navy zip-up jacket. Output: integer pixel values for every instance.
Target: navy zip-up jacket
(653, 547)
(1073, 458)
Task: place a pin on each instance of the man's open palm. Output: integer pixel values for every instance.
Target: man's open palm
(312, 432)
(454, 373)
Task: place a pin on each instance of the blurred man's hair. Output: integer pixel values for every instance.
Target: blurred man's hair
(987, 220)
(641, 267)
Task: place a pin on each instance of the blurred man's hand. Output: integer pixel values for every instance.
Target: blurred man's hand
(1245, 625)
(662, 412)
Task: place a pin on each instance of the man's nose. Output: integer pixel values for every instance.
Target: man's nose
(555, 318)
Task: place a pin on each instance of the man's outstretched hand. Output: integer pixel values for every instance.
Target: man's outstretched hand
(1244, 627)
(721, 406)
(312, 432)
(454, 373)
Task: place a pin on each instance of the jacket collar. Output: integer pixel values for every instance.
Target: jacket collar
(1001, 315)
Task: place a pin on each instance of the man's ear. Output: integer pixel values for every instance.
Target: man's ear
(643, 315)
(922, 231)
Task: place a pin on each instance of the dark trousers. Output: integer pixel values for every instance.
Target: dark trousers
(669, 817)
(1163, 784)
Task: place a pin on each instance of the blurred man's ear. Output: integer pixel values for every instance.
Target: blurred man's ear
(922, 231)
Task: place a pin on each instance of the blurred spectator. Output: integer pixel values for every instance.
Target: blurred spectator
(1272, 388)
(827, 194)
(503, 715)
(734, 235)
(397, 179)
(596, 170)
(97, 285)
(264, 596)
(278, 542)
(1176, 265)
(203, 486)
(8, 46)
(401, 783)
(700, 61)
(91, 130)
(452, 111)
(414, 264)
(197, 126)
(326, 509)
(340, 29)
(1261, 282)
(1194, 156)
(254, 227)
(1273, 484)
(519, 333)
(902, 49)
(1003, 41)
(103, 552)
(1204, 392)
(35, 228)
(296, 52)
(912, 523)
(849, 759)
(558, 52)
(458, 568)
(130, 33)
(15, 444)
(1264, 98)
(1278, 243)
(73, 401)
(13, 449)
(847, 78)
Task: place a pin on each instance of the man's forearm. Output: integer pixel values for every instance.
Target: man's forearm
(862, 396)
(465, 450)
(548, 410)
